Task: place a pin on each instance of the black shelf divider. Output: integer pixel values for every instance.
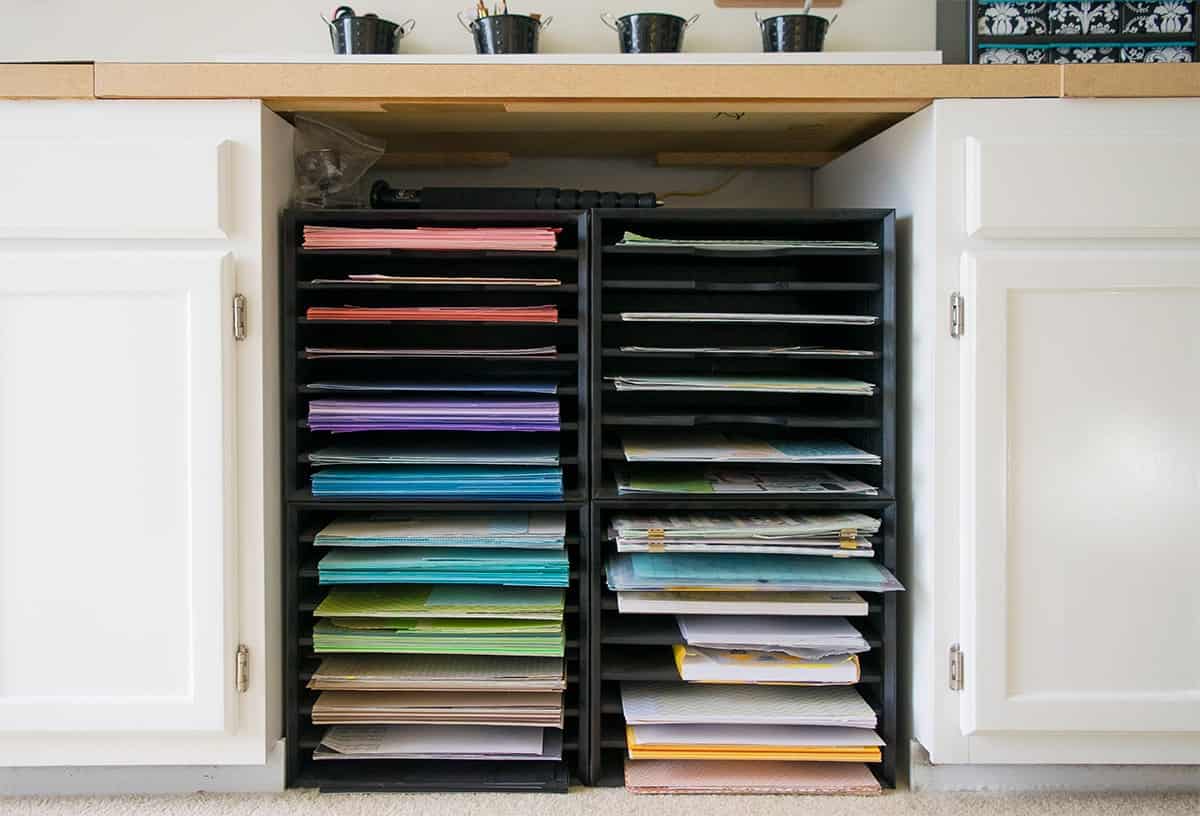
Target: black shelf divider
(303, 513)
(636, 646)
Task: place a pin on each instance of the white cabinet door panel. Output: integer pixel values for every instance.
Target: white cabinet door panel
(1071, 186)
(117, 598)
(1081, 464)
(123, 188)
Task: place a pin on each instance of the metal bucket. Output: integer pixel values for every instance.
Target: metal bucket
(368, 34)
(649, 33)
(505, 33)
(794, 32)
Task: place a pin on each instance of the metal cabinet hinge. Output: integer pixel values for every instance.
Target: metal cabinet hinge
(239, 317)
(958, 314)
(242, 672)
(956, 667)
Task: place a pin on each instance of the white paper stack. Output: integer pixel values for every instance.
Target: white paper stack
(742, 603)
(683, 703)
(804, 637)
(835, 534)
(439, 742)
(700, 665)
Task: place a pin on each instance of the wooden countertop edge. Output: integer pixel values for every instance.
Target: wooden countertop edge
(47, 81)
(499, 83)
(868, 86)
(1132, 81)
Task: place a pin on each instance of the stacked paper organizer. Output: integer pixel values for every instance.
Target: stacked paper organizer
(743, 476)
(436, 504)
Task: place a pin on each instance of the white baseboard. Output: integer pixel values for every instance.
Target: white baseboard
(925, 776)
(112, 780)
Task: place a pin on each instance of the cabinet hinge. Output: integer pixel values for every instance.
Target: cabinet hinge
(958, 314)
(242, 672)
(956, 667)
(239, 317)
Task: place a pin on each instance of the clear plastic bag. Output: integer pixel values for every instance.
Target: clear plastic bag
(330, 161)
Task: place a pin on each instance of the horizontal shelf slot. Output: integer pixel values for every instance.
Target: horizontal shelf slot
(304, 460)
(347, 286)
(563, 323)
(608, 603)
(616, 353)
(737, 254)
(430, 776)
(572, 500)
(611, 388)
(692, 420)
(656, 664)
(443, 255)
(760, 501)
(304, 390)
(310, 571)
(698, 325)
(510, 358)
(563, 426)
(743, 286)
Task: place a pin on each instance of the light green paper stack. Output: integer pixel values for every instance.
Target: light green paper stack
(442, 601)
(440, 636)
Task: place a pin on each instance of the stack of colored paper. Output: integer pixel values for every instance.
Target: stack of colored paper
(699, 665)
(495, 449)
(480, 386)
(713, 446)
(807, 743)
(497, 636)
(515, 239)
(836, 534)
(770, 385)
(683, 704)
(633, 240)
(670, 571)
(492, 414)
(436, 482)
(471, 314)
(439, 280)
(740, 722)
(739, 778)
(741, 603)
(442, 601)
(382, 672)
(365, 353)
(515, 530)
(750, 317)
(484, 742)
(439, 708)
(726, 480)
(537, 568)
(811, 638)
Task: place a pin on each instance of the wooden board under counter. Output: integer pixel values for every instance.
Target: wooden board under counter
(51, 81)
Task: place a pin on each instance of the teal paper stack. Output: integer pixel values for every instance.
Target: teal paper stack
(507, 530)
(444, 583)
(434, 565)
(501, 482)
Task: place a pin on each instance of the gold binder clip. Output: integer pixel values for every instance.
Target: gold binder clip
(657, 538)
(848, 539)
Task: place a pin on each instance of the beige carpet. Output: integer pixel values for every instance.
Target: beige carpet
(607, 802)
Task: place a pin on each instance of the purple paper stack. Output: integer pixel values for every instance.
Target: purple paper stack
(342, 416)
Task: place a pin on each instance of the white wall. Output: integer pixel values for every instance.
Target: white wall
(195, 29)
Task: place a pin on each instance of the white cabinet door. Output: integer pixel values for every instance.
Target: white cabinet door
(1080, 418)
(117, 513)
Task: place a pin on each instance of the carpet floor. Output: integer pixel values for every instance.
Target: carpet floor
(607, 802)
